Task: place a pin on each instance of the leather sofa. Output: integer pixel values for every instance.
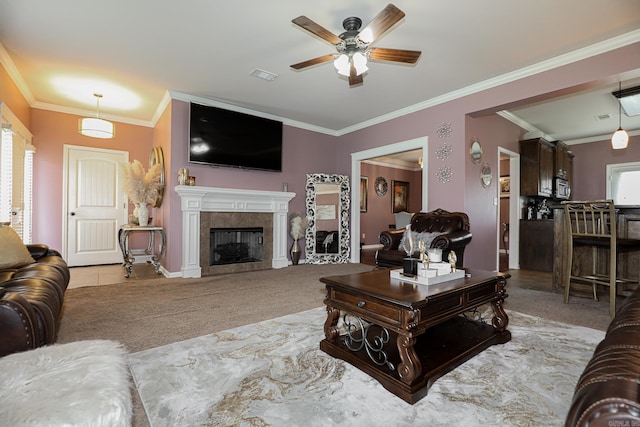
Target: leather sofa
(453, 234)
(608, 391)
(31, 298)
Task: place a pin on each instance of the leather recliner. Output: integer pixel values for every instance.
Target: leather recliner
(31, 299)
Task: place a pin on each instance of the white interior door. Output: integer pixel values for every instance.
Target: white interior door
(95, 207)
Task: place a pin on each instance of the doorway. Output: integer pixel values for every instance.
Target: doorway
(357, 158)
(508, 227)
(94, 203)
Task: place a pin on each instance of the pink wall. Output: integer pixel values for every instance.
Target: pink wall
(308, 152)
(590, 166)
(51, 132)
(379, 211)
(464, 192)
(11, 96)
(303, 152)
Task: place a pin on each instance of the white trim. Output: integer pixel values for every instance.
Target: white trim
(514, 209)
(412, 144)
(617, 168)
(195, 200)
(568, 58)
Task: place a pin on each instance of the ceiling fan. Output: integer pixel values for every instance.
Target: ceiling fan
(354, 46)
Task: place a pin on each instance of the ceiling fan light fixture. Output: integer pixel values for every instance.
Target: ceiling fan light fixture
(95, 127)
(360, 62)
(342, 65)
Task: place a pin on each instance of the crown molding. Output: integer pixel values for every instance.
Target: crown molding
(179, 96)
(568, 58)
(15, 75)
(550, 64)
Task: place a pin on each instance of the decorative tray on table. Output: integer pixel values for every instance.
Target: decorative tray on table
(435, 274)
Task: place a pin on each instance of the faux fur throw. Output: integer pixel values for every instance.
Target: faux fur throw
(83, 383)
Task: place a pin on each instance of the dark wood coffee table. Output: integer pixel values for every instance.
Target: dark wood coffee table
(407, 335)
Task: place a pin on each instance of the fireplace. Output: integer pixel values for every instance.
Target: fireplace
(236, 245)
(204, 208)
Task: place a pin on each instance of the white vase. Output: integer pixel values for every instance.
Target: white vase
(142, 213)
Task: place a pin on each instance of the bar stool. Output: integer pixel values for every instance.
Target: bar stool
(593, 224)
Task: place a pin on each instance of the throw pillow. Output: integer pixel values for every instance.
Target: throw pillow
(13, 253)
(426, 237)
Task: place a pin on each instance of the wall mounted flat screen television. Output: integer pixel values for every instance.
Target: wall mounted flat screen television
(220, 137)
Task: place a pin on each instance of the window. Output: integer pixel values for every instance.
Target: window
(622, 183)
(16, 174)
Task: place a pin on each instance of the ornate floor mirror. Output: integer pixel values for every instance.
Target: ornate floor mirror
(328, 234)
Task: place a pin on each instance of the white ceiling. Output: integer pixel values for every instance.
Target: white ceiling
(132, 52)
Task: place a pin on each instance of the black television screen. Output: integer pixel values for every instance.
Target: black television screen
(220, 137)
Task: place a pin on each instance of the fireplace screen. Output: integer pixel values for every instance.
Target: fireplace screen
(236, 245)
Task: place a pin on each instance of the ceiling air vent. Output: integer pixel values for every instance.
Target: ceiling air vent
(265, 75)
(600, 117)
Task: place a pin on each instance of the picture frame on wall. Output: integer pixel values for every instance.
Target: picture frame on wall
(505, 186)
(364, 183)
(400, 196)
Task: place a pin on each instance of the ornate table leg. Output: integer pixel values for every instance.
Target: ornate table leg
(331, 331)
(410, 368)
(127, 258)
(500, 319)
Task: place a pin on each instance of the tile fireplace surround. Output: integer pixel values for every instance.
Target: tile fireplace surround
(195, 199)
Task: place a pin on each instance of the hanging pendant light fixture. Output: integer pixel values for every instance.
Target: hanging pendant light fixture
(620, 138)
(96, 127)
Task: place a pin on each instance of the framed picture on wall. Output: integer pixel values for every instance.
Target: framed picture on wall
(505, 186)
(364, 182)
(400, 196)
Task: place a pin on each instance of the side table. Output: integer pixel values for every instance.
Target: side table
(149, 254)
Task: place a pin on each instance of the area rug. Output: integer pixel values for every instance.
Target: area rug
(273, 374)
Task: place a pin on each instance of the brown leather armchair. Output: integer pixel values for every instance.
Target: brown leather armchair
(454, 235)
(31, 300)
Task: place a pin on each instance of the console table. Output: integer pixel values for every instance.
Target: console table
(148, 254)
(407, 335)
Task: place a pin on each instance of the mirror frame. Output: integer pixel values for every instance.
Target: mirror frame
(475, 150)
(486, 176)
(157, 157)
(344, 248)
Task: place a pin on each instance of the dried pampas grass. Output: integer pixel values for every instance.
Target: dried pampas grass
(142, 187)
(299, 224)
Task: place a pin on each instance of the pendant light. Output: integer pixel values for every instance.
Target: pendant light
(620, 138)
(96, 127)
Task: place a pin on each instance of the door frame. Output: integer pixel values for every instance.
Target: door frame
(514, 209)
(386, 150)
(65, 187)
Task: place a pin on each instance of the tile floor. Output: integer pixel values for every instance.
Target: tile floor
(108, 274)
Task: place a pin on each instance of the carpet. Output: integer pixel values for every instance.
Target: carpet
(272, 373)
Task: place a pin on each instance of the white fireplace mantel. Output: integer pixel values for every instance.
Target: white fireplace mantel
(196, 199)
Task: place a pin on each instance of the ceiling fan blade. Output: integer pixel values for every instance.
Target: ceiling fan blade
(396, 55)
(314, 61)
(386, 19)
(316, 29)
(354, 79)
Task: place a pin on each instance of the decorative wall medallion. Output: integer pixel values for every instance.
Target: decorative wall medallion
(381, 186)
(444, 174)
(444, 130)
(443, 152)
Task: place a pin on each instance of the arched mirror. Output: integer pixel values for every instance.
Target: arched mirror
(156, 158)
(485, 175)
(328, 235)
(475, 150)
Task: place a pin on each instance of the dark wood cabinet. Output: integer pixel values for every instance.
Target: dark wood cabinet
(536, 245)
(536, 167)
(562, 160)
